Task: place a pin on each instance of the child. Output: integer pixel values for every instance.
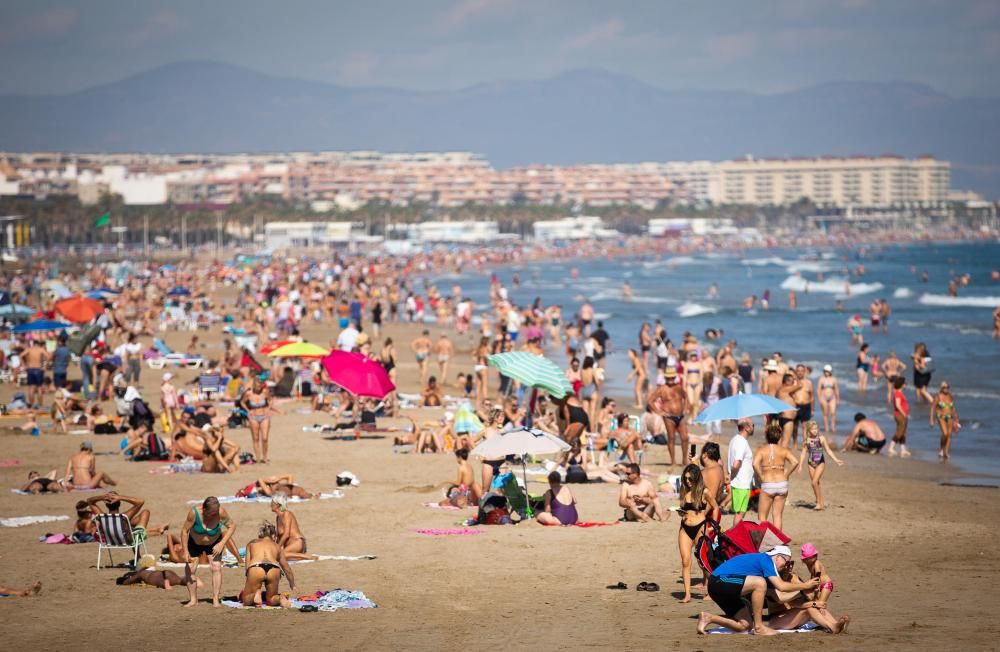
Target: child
(814, 450)
(820, 599)
(60, 408)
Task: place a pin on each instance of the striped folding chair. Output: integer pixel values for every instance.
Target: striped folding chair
(209, 385)
(115, 532)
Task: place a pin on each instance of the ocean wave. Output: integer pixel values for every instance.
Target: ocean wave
(671, 262)
(790, 265)
(833, 285)
(902, 293)
(964, 329)
(690, 309)
(643, 299)
(962, 302)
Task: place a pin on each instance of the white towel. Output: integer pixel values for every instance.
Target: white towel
(18, 521)
(261, 498)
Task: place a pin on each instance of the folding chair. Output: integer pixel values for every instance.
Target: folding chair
(115, 532)
(209, 384)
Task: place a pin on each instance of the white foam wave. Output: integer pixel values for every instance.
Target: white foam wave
(902, 293)
(602, 315)
(690, 309)
(791, 265)
(642, 299)
(833, 285)
(671, 262)
(964, 302)
(964, 329)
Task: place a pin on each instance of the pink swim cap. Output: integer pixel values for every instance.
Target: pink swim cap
(808, 551)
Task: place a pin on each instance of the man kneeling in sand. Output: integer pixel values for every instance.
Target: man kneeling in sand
(638, 497)
(265, 563)
(867, 436)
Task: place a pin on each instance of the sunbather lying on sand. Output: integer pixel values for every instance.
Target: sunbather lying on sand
(39, 484)
(19, 593)
(276, 484)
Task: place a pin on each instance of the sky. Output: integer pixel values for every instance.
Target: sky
(765, 46)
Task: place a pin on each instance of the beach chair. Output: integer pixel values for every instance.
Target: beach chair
(518, 497)
(169, 357)
(209, 384)
(114, 532)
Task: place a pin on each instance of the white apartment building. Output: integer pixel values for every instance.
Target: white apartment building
(573, 228)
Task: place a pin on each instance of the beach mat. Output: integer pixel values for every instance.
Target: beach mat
(808, 628)
(448, 508)
(260, 498)
(447, 531)
(20, 521)
(328, 601)
(230, 562)
(588, 524)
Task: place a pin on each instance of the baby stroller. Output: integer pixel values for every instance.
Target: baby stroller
(715, 546)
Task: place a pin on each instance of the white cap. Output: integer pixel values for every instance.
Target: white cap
(167, 376)
(827, 367)
(772, 365)
(780, 550)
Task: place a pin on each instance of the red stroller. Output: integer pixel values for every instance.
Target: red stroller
(715, 546)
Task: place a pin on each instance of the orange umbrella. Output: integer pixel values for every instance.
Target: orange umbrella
(79, 309)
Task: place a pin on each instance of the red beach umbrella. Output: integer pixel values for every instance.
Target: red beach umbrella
(359, 375)
(79, 309)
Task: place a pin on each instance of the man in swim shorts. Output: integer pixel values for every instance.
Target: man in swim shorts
(669, 402)
(421, 348)
(34, 360)
(804, 399)
(867, 436)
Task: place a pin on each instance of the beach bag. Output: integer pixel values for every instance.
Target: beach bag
(575, 474)
(79, 342)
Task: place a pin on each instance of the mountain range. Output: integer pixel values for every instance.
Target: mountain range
(580, 116)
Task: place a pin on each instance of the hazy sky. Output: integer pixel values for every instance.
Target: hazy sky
(756, 45)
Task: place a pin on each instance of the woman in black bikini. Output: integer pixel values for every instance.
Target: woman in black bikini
(265, 565)
(259, 405)
(697, 502)
(645, 344)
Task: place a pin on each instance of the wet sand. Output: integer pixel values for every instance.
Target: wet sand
(912, 560)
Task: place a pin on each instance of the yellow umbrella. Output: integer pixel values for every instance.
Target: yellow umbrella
(299, 350)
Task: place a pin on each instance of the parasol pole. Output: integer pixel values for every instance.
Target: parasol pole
(527, 496)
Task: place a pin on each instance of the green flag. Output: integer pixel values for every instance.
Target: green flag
(103, 220)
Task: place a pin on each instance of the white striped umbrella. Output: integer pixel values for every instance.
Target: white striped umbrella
(533, 371)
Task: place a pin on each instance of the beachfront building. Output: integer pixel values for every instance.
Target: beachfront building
(453, 232)
(573, 228)
(287, 235)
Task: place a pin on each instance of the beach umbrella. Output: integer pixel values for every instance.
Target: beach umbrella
(521, 442)
(57, 287)
(79, 309)
(17, 310)
(359, 375)
(40, 325)
(742, 405)
(466, 420)
(102, 293)
(299, 350)
(178, 292)
(533, 371)
(270, 346)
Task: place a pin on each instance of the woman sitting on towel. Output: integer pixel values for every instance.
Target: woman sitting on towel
(288, 535)
(560, 505)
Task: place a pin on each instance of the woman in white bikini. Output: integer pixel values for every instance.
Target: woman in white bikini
(774, 464)
(829, 398)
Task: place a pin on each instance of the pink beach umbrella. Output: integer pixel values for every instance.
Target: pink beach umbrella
(359, 375)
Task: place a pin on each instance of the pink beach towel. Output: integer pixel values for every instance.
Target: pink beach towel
(447, 531)
(9, 462)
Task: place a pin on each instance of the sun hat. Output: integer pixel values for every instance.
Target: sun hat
(808, 551)
(780, 550)
(669, 372)
(772, 365)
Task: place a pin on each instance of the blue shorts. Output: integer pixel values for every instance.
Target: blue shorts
(513, 336)
(35, 377)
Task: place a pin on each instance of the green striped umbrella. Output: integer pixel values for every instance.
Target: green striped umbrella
(533, 371)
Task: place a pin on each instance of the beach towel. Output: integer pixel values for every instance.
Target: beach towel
(261, 498)
(177, 467)
(589, 524)
(228, 561)
(450, 508)
(9, 462)
(447, 531)
(19, 521)
(805, 629)
(334, 600)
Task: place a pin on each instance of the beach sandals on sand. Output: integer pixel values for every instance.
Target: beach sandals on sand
(621, 586)
(647, 586)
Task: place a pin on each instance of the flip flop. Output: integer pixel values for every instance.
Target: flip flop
(641, 586)
(652, 587)
(308, 608)
(621, 586)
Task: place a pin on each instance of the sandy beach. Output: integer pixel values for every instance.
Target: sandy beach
(912, 559)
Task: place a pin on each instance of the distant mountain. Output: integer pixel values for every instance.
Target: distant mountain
(576, 117)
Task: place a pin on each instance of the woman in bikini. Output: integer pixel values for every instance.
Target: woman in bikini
(168, 399)
(286, 526)
(205, 534)
(494, 424)
(265, 564)
(697, 503)
(692, 384)
(943, 407)
(640, 374)
(829, 398)
(645, 344)
(560, 505)
(589, 388)
(771, 462)
(892, 368)
(481, 357)
(387, 358)
(815, 448)
(259, 405)
(921, 372)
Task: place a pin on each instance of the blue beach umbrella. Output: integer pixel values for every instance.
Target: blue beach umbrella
(742, 405)
(17, 309)
(178, 292)
(40, 325)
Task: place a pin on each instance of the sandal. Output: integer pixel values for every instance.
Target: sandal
(641, 586)
(620, 586)
(308, 608)
(652, 587)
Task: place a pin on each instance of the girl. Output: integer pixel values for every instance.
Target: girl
(692, 384)
(639, 372)
(829, 399)
(821, 596)
(697, 502)
(815, 448)
(943, 407)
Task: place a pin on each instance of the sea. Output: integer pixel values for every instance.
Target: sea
(676, 289)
